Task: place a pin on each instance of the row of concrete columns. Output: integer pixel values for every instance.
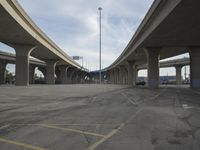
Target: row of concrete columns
(118, 75)
(124, 74)
(24, 73)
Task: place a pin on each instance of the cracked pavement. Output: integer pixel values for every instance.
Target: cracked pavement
(99, 117)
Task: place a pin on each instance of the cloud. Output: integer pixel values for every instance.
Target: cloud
(74, 25)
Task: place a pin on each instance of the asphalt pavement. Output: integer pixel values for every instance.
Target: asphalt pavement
(99, 117)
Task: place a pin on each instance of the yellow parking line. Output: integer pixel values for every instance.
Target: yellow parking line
(113, 132)
(71, 130)
(21, 144)
(109, 135)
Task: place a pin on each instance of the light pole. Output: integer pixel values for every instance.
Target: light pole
(100, 9)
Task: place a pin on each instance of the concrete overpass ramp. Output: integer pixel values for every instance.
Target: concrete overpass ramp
(170, 28)
(20, 32)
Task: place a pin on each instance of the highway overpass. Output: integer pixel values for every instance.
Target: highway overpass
(21, 33)
(170, 28)
(119, 75)
(71, 75)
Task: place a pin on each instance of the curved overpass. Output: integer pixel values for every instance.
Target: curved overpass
(20, 32)
(170, 28)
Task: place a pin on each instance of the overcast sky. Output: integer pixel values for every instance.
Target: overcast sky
(74, 26)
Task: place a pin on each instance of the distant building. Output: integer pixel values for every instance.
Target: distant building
(167, 79)
(163, 79)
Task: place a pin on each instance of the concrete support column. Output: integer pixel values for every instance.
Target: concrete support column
(194, 67)
(131, 73)
(108, 76)
(63, 74)
(178, 74)
(69, 72)
(120, 79)
(3, 65)
(22, 64)
(126, 74)
(32, 74)
(75, 78)
(153, 57)
(137, 76)
(111, 76)
(82, 76)
(73, 75)
(122, 75)
(115, 76)
(50, 71)
(58, 75)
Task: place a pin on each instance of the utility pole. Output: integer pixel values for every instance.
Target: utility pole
(100, 9)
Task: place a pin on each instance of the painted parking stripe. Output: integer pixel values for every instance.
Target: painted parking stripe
(71, 130)
(113, 132)
(129, 99)
(20, 144)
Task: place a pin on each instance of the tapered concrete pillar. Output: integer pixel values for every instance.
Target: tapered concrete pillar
(73, 75)
(131, 73)
(50, 71)
(126, 74)
(194, 67)
(22, 64)
(116, 76)
(58, 75)
(153, 57)
(111, 76)
(108, 76)
(122, 74)
(32, 73)
(63, 74)
(69, 73)
(81, 77)
(137, 77)
(3, 65)
(178, 74)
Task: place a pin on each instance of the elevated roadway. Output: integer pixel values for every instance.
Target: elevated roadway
(64, 75)
(170, 28)
(120, 74)
(20, 32)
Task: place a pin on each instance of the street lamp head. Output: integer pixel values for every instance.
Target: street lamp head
(99, 8)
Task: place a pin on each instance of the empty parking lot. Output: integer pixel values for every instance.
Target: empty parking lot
(99, 117)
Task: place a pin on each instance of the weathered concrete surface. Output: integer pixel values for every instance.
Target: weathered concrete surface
(101, 117)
